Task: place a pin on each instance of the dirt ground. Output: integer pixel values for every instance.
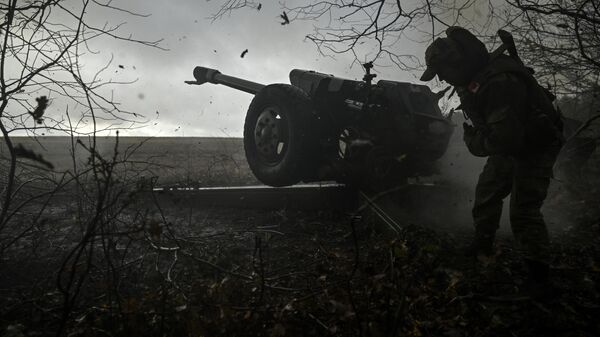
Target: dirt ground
(157, 270)
(225, 272)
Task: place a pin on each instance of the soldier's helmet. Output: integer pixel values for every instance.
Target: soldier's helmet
(459, 49)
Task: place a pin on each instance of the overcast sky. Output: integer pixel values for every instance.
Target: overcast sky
(192, 39)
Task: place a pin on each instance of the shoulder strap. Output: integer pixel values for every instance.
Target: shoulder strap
(540, 98)
(501, 65)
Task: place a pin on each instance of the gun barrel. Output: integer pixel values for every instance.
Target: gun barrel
(203, 75)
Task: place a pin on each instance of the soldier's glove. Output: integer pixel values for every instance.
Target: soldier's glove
(475, 140)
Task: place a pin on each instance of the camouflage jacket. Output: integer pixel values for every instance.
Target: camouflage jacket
(503, 108)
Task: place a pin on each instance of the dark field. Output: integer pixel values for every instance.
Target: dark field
(174, 161)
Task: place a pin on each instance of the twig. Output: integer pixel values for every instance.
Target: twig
(501, 299)
(584, 126)
(319, 322)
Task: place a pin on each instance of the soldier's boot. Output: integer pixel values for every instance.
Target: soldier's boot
(482, 244)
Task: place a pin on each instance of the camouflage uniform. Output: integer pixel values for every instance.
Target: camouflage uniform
(520, 162)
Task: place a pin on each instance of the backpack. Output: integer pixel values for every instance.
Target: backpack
(543, 124)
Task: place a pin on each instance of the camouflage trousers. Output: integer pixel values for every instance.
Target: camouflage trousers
(526, 180)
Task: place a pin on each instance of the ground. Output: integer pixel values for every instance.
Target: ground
(292, 273)
(202, 271)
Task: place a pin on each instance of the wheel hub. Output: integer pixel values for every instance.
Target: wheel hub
(268, 135)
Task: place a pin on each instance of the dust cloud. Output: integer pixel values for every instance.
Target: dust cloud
(445, 203)
(447, 206)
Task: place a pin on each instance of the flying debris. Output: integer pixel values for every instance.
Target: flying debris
(40, 109)
(244, 53)
(121, 66)
(259, 6)
(285, 18)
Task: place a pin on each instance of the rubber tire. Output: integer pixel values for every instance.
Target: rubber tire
(294, 106)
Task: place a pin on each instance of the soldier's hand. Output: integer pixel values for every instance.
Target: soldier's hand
(469, 131)
(474, 140)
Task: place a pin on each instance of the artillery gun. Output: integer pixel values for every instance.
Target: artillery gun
(324, 128)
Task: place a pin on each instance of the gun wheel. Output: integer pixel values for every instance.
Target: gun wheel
(277, 138)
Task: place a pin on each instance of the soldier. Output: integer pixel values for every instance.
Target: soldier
(515, 125)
